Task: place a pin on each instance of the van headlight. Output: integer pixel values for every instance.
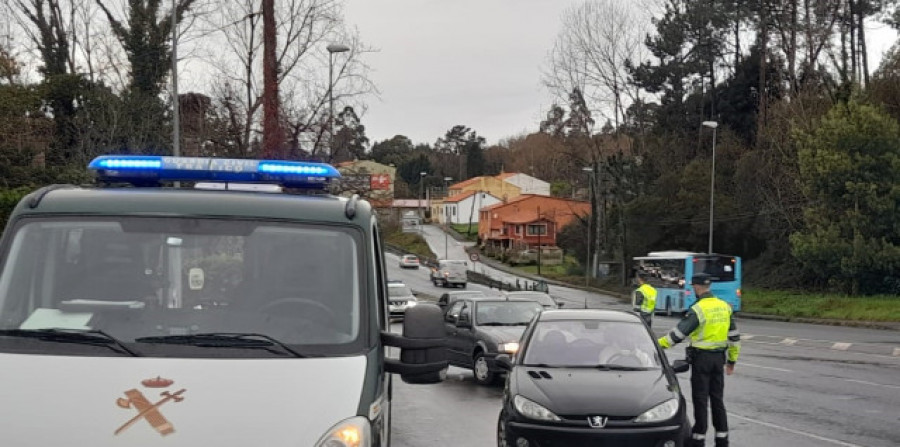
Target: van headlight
(353, 432)
(661, 412)
(532, 410)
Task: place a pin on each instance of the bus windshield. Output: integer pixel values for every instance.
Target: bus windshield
(720, 268)
(139, 277)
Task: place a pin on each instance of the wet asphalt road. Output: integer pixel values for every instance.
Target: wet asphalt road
(796, 385)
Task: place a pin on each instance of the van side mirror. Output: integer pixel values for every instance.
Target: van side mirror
(423, 346)
(680, 366)
(504, 362)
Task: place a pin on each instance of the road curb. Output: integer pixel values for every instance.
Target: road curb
(509, 270)
(883, 325)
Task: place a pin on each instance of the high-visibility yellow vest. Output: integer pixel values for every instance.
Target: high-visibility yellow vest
(649, 304)
(714, 316)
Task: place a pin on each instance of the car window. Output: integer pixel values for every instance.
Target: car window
(399, 291)
(591, 343)
(454, 310)
(503, 313)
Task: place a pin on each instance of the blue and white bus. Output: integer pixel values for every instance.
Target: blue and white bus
(670, 272)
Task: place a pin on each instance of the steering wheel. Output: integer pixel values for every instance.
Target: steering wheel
(318, 309)
(621, 355)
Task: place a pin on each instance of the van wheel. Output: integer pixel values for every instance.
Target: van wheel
(483, 374)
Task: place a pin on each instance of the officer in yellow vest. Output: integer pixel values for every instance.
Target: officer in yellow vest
(645, 294)
(714, 350)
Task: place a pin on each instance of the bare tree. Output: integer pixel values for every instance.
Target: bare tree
(598, 39)
(305, 27)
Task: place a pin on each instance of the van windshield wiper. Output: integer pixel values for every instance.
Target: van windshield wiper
(225, 340)
(93, 337)
(614, 367)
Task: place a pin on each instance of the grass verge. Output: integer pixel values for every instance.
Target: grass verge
(463, 230)
(821, 305)
(409, 242)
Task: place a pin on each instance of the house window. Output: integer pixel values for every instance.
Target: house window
(454, 210)
(518, 230)
(537, 229)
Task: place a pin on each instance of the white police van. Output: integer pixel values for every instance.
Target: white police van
(134, 313)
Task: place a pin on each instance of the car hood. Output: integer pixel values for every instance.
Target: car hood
(83, 401)
(502, 334)
(580, 391)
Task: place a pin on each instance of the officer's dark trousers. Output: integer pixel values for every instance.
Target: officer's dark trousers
(708, 384)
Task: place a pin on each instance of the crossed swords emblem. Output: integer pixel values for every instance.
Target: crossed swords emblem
(148, 411)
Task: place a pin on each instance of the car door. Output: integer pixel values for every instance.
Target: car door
(454, 346)
(465, 336)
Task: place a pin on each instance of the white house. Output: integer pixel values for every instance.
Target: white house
(459, 208)
(529, 184)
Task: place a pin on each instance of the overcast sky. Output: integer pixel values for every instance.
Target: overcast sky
(474, 62)
(446, 62)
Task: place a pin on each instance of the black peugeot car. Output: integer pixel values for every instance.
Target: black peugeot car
(479, 328)
(591, 378)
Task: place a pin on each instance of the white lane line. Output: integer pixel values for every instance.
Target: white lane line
(764, 367)
(747, 337)
(866, 382)
(796, 432)
(840, 346)
(789, 341)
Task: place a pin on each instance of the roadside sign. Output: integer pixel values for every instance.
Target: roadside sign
(473, 257)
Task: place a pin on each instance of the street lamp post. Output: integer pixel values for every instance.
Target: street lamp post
(421, 193)
(446, 237)
(712, 182)
(332, 48)
(587, 255)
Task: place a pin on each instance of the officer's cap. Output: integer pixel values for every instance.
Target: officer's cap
(701, 279)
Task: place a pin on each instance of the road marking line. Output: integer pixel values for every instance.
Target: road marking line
(796, 432)
(866, 382)
(789, 341)
(896, 352)
(841, 346)
(747, 337)
(765, 367)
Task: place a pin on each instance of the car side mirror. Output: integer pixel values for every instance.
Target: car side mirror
(463, 321)
(504, 362)
(423, 346)
(560, 304)
(680, 366)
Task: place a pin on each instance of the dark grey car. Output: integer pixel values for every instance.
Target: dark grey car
(478, 330)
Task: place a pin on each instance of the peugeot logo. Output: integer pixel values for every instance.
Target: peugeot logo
(597, 421)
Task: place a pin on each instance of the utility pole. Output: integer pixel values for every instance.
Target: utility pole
(176, 118)
(272, 144)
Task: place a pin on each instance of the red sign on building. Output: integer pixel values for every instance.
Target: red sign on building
(380, 182)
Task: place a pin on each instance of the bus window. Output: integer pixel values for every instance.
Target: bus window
(722, 268)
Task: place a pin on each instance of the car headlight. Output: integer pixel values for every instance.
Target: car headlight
(411, 303)
(531, 410)
(509, 348)
(661, 412)
(352, 432)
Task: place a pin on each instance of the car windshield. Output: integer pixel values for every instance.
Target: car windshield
(505, 313)
(141, 277)
(542, 298)
(591, 343)
(399, 291)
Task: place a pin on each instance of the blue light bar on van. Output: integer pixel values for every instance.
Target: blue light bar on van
(144, 169)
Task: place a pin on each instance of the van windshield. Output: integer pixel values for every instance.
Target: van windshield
(139, 277)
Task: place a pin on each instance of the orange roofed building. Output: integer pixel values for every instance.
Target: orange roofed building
(527, 220)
